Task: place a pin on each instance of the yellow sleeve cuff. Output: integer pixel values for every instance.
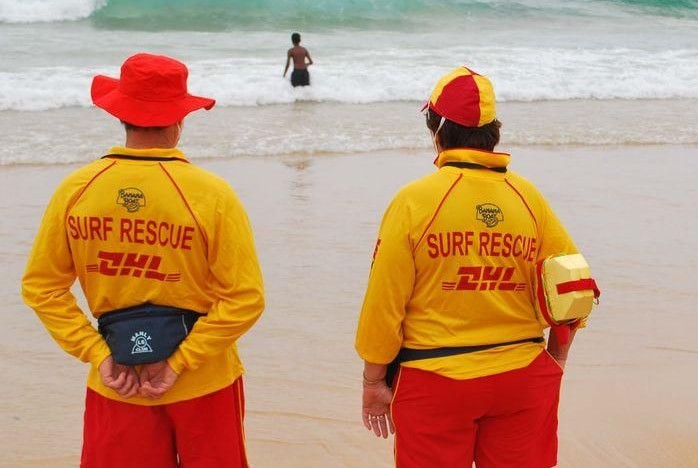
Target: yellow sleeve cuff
(98, 355)
(176, 362)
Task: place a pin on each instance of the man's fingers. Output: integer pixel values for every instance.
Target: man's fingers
(376, 428)
(379, 425)
(115, 383)
(148, 391)
(384, 427)
(125, 384)
(131, 385)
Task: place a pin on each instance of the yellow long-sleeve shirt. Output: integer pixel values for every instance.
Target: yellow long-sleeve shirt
(454, 265)
(138, 229)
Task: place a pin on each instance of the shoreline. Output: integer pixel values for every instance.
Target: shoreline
(325, 128)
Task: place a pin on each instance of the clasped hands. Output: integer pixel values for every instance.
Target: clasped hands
(151, 381)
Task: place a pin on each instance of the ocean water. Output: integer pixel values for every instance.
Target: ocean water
(565, 71)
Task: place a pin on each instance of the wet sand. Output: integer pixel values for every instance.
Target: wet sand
(628, 397)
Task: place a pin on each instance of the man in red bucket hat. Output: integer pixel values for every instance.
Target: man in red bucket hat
(165, 257)
(455, 359)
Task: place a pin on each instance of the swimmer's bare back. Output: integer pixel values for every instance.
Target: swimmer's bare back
(298, 54)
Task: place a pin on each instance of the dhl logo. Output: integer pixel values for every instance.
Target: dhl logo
(484, 278)
(131, 264)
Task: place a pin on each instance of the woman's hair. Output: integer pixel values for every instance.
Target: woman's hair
(453, 135)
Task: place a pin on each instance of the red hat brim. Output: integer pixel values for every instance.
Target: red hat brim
(142, 113)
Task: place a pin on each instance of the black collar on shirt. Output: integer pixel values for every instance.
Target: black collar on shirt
(469, 165)
(142, 158)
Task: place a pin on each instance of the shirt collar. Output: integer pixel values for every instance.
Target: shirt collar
(472, 155)
(149, 152)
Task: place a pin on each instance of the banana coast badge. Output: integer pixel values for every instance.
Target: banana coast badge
(489, 213)
(140, 343)
(131, 198)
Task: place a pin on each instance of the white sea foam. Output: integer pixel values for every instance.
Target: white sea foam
(560, 51)
(33, 11)
(519, 74)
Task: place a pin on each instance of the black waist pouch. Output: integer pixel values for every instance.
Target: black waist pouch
(145, 333)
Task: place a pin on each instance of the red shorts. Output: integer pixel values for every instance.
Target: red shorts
(205, 432)
(504, 420)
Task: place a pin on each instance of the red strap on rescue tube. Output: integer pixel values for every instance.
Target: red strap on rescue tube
(579, 285)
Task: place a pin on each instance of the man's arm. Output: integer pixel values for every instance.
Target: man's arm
(307, 55)
(236, 283)
(47, 282)
(288, 62)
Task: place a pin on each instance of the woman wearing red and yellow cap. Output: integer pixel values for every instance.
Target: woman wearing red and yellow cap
(451, 295)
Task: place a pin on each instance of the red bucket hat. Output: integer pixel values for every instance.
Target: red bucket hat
(464, 97)
(151, 92)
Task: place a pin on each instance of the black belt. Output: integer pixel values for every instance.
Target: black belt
(411, 354)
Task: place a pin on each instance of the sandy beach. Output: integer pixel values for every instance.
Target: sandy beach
(628, 397)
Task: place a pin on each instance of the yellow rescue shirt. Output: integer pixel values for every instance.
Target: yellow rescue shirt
(454, 265)
(148, 226)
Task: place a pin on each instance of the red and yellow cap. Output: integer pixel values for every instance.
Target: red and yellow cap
(464, 97)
